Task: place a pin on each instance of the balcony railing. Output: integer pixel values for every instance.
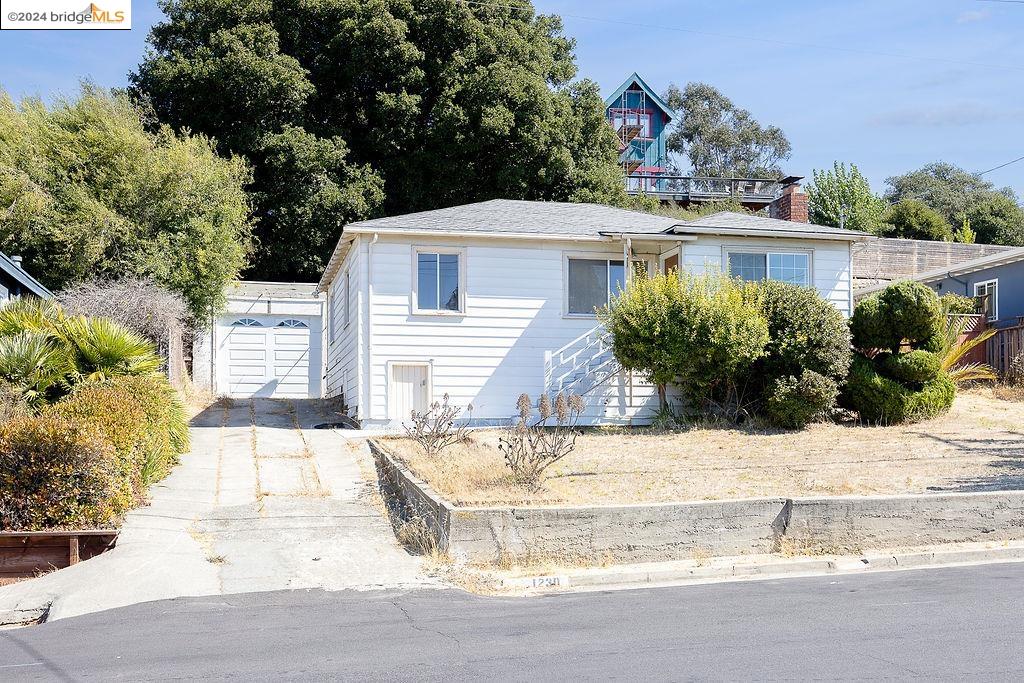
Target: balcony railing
(698, 189)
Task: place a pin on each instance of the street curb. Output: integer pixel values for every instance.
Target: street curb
(24, 616)
(757, 568)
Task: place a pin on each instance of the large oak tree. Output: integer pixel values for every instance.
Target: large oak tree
(348, 108)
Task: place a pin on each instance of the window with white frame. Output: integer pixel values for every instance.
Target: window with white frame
(987, 295)
(592, 283)
(794, 268)
(438, 287)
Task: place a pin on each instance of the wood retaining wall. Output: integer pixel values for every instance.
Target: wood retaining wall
(24, 554)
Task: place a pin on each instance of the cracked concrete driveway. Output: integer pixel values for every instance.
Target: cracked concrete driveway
(263, 502)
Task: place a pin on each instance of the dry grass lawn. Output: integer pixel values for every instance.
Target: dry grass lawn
(977, 446)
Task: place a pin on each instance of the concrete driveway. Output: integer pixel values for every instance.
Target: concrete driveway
(263, 502)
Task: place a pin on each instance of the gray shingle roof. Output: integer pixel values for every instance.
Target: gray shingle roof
(525, 217)
(728, 220)
(252, 289)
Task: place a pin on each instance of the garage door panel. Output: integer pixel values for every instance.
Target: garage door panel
(269, 355)
(247, 354)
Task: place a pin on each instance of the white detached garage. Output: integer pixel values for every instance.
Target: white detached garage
(267, 343)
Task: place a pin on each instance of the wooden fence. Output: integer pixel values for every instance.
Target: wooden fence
(25, 554)
(1007, 344)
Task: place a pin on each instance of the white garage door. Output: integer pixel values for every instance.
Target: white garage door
(274, 356)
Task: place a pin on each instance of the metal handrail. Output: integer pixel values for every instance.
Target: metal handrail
(706, 187)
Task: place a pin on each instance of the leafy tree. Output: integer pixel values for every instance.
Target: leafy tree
(965, 234)
(439, 102)
(996, 219)
(720, 139)
(913, 219)
(86, 191)
(953, 192)
(843, 198)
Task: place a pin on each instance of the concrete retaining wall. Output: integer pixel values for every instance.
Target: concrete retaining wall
(675, 531)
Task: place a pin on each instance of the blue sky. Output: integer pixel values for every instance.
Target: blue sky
(887, 84)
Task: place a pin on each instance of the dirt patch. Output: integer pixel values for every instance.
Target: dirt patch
(977, 446)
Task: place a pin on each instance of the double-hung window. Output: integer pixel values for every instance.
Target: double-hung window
(592, 283)
(439, 287)
(794, 268)
(987, 295)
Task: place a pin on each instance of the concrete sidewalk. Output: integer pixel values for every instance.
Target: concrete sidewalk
(263, 502)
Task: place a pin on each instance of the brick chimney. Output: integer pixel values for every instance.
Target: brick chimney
(791, 206)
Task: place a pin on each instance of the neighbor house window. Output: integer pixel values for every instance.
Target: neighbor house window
(438, 286)
(987, 295)
(754, 266)
(592, 283)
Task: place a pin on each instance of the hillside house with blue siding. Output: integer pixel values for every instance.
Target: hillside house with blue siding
(640, 120)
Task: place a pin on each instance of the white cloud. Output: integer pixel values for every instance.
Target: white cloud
(971, 16)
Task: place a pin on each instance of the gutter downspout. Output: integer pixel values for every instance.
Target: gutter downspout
(369, 326)
(627, 251)
(965, 283)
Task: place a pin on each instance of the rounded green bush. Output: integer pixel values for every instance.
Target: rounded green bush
(794, 402)
(882, 400)
(805, 332)
(912, 310)
(869, 328)
(957, 304)
(910, 368)
(903, 312)
(56, 473)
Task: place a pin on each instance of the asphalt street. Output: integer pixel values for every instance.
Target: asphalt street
(940, 624)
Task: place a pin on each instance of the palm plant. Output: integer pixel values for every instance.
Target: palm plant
(954, 347)
(101, 349)
(29, 314)
(34, 364)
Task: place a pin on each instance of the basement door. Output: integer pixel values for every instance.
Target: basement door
(268, 356)
(409, 390)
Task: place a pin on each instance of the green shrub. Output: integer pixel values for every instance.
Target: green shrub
(721, 334)
(641, 321)
(12, 403)
(55, 473)
(912, 310)
(141, 416)
(956, 304)
(914, 367)
(804, 332)
(903, 312)
(869, 328)
(701, 331)
(794, 402)
(882, 400)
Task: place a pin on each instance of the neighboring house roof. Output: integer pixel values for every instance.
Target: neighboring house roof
(1014, 255)
(508, 218)
(635, 78)
(20, 275)
(253, 289)
(893, 258)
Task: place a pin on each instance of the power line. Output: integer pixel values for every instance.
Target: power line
(770, 41)
(996, 168)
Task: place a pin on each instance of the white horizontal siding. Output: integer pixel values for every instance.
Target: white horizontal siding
(514, 315)
(830, 261)
(345, 352)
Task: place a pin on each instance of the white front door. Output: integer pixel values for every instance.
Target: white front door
(409, 390)
(276, 356)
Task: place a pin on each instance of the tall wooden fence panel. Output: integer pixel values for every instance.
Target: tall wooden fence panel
(1007, 344)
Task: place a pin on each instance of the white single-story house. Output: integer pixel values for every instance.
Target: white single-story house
(267, 343)
(486, 301)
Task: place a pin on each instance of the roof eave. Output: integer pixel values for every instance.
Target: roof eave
(769, 232)
(24, 277)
